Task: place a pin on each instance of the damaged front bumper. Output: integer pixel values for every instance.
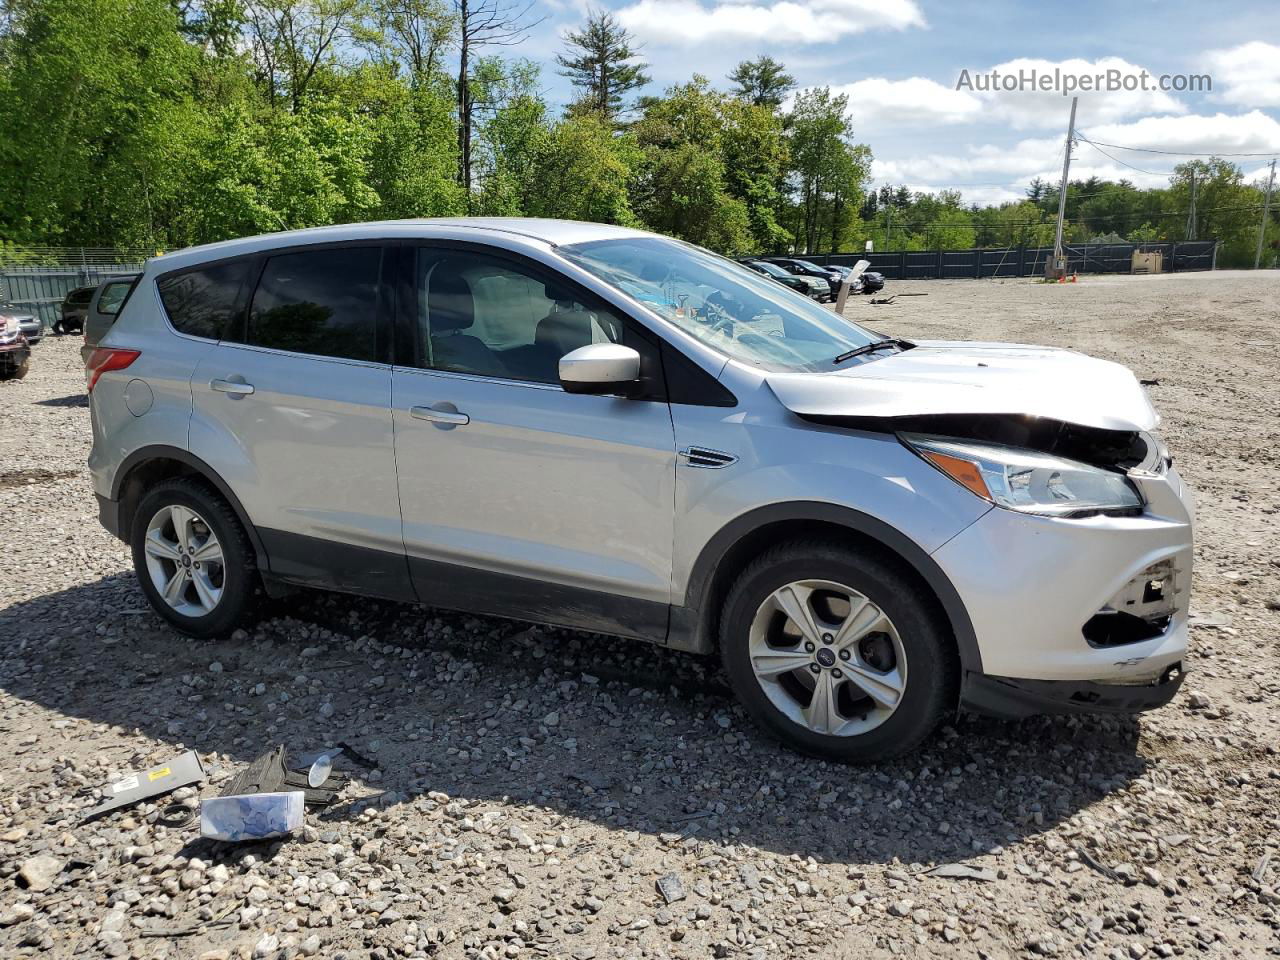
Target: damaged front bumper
(1077, 615)
(1014, 697)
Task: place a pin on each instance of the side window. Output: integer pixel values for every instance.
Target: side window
(488, 316)
(322, 302)
(113, 296)
(200, 302)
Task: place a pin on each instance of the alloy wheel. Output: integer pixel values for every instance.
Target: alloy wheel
(828, 658)
(184, 560)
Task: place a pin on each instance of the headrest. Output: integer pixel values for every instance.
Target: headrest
(564, 330)
(450, 304)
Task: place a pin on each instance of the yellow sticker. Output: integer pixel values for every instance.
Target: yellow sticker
(157, 774)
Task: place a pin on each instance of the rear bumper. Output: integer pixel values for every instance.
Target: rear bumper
(1014, 698)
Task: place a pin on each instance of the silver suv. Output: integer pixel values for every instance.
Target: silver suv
(613, 431)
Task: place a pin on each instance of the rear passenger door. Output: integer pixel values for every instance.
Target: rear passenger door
(293, 407)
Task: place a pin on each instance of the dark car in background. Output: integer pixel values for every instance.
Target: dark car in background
(806, 268)
(815, 287)
(74, 309)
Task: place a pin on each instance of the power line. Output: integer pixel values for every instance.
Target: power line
(1178, 153)
(1150, 173)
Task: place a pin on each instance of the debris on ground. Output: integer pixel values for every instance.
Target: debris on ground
(251, 816)
(182, 771)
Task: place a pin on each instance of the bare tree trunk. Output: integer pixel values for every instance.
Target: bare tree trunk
(464, 107)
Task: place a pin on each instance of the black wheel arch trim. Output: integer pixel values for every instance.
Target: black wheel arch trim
(688, 623)
(186, 458)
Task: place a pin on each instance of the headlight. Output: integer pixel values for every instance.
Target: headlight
(1027, 480)
(8, 329)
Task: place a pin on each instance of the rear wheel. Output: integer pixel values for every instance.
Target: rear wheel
(193, 559)
(838, 654)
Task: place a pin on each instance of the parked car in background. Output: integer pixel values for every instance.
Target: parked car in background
(806, 268)
(73, 310)
(814, 287)
(603, 429)
(104, 306)
(30, 325)
(15, 351)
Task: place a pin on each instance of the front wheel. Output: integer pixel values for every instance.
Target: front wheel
(839, 654)
(193, 559)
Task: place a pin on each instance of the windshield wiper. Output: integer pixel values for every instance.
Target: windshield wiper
(873, 346)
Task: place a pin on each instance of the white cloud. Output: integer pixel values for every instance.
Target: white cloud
(1000, 171)
(1248, 74)
(688, 23)
(877, 103)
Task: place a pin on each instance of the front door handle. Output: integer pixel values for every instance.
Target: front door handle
(434, 415)
(236, 387)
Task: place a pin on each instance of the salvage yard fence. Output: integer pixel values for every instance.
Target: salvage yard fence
(38, 279)
(980, 262)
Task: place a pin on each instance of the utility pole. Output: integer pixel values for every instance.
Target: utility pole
(1058, 266)
(1266, 210)
(1191, 214)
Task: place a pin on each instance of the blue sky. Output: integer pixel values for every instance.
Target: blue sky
(900, 60)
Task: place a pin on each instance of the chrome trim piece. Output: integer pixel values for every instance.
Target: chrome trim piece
(707, 458)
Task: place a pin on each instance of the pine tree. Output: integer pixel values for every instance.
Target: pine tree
(599, 62)
(762, 81)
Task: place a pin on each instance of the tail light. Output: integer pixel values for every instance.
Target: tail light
(107, 358)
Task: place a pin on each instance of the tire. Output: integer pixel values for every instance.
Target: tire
(912, 631)
(22, 369)
(234, 579)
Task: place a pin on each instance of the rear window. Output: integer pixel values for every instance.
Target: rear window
(201, 302)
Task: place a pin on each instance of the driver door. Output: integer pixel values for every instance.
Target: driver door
(517, 498)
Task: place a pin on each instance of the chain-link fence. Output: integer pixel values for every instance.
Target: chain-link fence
(38, 279)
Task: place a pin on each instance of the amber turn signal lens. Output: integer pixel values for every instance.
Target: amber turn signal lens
(963, 472)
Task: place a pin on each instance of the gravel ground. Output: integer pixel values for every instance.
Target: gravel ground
(533, 786)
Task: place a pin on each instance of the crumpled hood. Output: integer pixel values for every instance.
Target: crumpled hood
(958, 377)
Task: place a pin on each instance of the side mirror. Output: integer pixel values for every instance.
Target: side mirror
(600, 368)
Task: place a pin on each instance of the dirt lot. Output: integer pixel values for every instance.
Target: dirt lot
(532, 785)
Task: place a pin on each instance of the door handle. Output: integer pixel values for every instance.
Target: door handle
(237, 388)
(451, 417)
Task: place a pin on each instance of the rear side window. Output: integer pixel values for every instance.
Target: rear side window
(200, 302)
(112, 297)
(321, 302)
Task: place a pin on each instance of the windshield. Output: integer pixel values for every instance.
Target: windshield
(722, 303)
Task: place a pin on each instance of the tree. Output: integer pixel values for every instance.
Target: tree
(482, 23)
(599, 61)
(416, 33)
(290, 40)
(827, 169)
(763, 82)
(680, 188)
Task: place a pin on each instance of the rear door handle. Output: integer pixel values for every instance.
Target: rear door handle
(451, 417)
(237, 388)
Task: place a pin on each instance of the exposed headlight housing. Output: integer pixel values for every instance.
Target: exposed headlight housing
(1027, 480)
(8, 329)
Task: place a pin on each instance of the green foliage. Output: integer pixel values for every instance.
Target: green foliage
(599, 62)
(762, 82)
(151, 124)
